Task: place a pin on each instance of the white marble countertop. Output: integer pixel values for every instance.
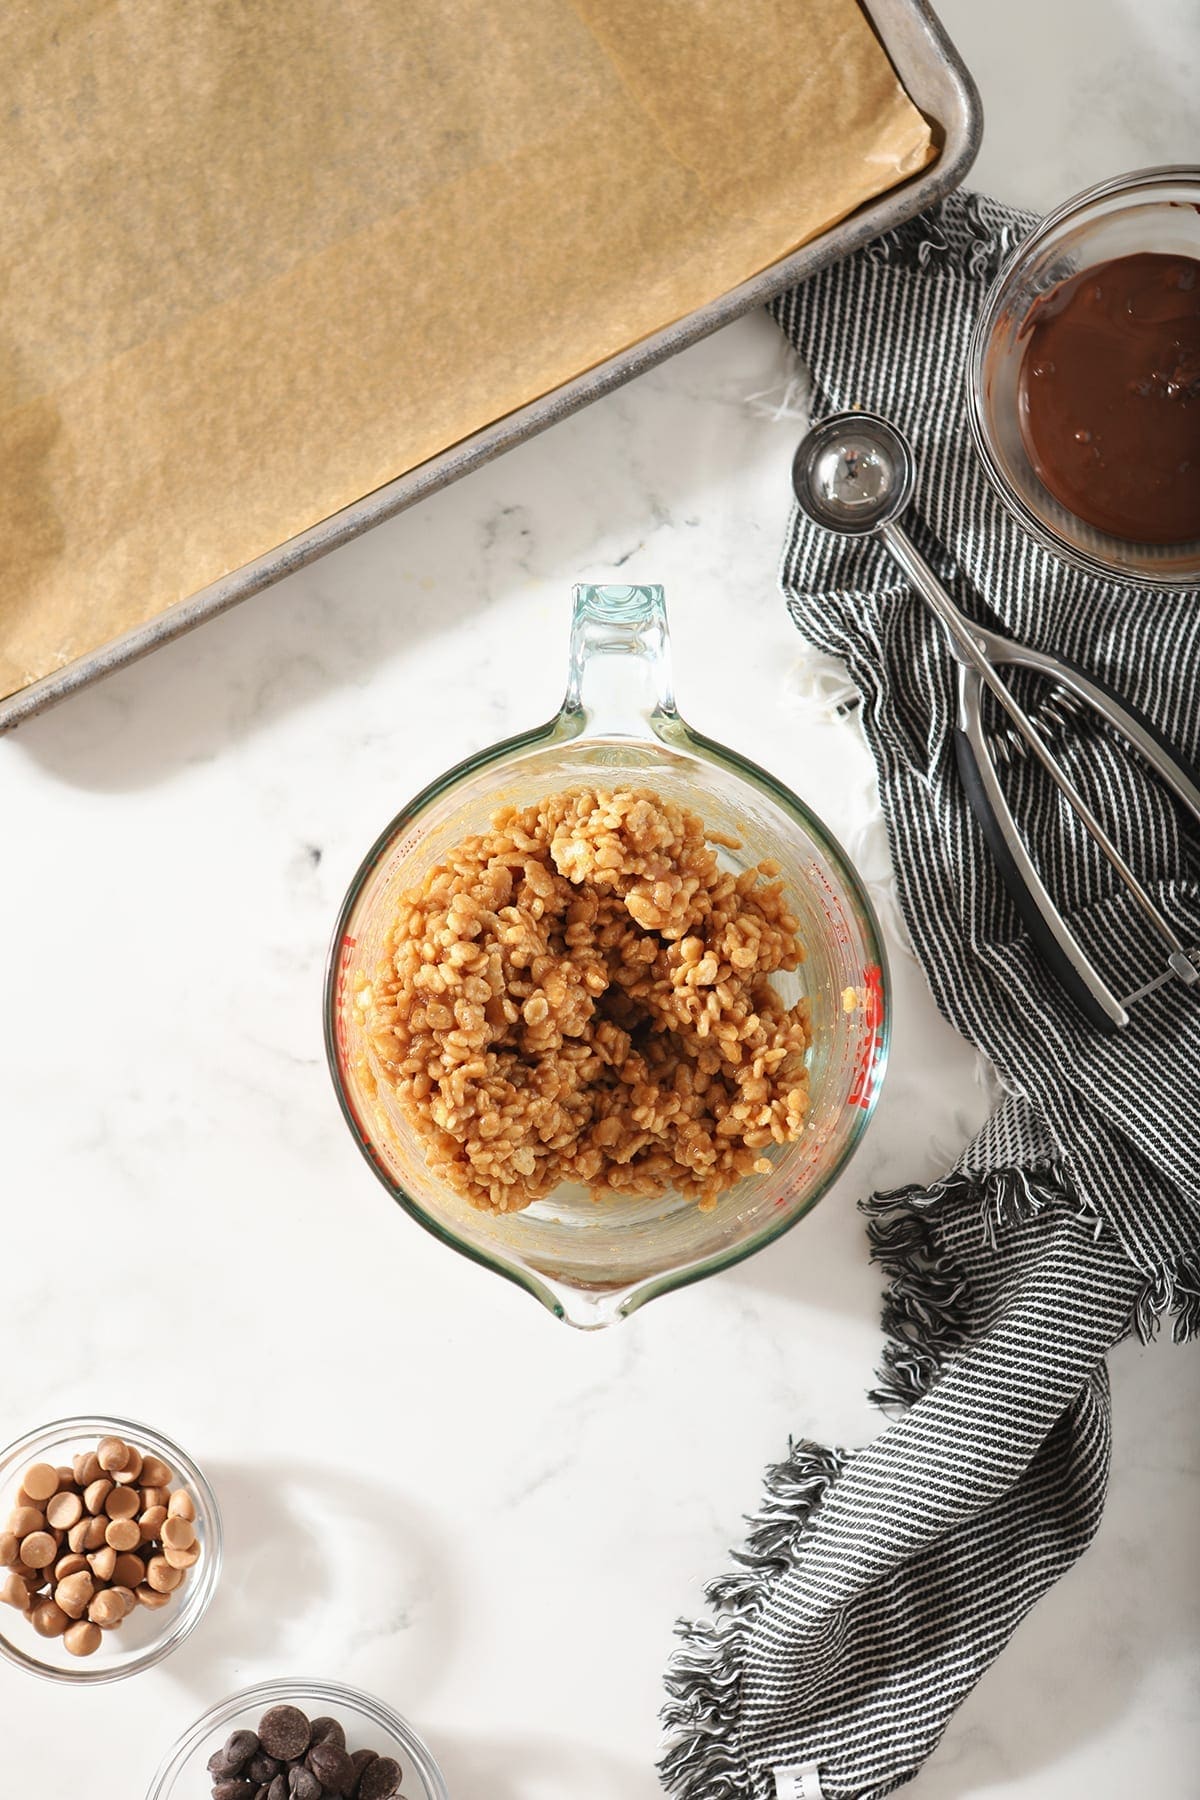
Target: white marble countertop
(431, 1489)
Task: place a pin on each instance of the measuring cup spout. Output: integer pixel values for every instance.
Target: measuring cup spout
(590, 1309)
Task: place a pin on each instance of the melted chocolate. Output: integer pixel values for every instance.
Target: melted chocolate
(1109, 396)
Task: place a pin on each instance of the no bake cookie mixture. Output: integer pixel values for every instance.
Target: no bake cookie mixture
(583, 994)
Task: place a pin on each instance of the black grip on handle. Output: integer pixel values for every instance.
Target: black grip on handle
(1044, 941)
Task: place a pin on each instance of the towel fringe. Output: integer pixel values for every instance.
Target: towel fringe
(703, 1760)
(1173, 1289)
(926, 1306)
(971, 239)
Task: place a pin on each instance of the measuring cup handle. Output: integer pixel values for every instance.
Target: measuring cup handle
(619, 682)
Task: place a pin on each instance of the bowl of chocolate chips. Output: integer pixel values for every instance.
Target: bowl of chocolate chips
(1084, 385)
(299, 1740)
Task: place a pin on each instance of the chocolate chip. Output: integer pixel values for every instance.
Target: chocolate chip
(263, 1769)
(303, 1785)
(240, 1746)
(233, 1788)
(284, 1732)
(278, 1789)
(328, 1731)
(362, 1759)
(380, 1780)
(231, 1758)
(332, 1767)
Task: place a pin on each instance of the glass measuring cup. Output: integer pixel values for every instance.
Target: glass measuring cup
(594, 1262)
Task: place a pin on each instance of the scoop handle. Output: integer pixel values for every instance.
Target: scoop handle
(1049, 933)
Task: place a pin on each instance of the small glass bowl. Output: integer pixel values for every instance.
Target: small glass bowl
(1152, 210)
(367, 1722)
(147, 1635)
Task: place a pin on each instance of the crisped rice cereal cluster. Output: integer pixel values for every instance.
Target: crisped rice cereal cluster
(583, 994)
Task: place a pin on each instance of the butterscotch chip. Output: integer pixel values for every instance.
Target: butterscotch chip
(152, 1522)
(112, 1453)
(123, 1534)
(64, 1510)
(131, 1470)
(160, 1575)
(103, 1562)
(96, 1493)
(151, 1597)
(155, 1473)
(181, 1505)
(107, 1608)
(39, 1550)
(77, 1536)
(86, 1468)
(130, 1570)
(40, 1481)
(75, 1593)
(155, 1496)
(122, 1503)
(178, 1533)
(119, 1611)
(10, 1548)
(125, 1595)
(14, 1592)
(25, 1519)
(97, 1531)
(83, 1638)
(181, 1559)
(70, 1565)
(48, 1619)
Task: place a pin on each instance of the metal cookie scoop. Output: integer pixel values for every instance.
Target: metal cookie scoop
(855, 473)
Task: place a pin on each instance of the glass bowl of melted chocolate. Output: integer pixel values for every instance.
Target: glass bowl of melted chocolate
(1085, 380)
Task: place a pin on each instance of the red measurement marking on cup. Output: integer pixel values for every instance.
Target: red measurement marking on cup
(833, 911)
(871, 1046)
(339, 995)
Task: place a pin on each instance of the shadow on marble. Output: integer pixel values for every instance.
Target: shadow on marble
(321, 1567)
(574, 502)
(819, 1263)
(489, 1768)
(196, 698)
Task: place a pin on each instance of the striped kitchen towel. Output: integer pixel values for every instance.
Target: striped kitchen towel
(876, 1587)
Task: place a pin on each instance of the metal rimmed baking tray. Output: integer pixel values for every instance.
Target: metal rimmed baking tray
(935, 79)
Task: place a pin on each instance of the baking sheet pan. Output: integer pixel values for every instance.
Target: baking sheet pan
(934, 77)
